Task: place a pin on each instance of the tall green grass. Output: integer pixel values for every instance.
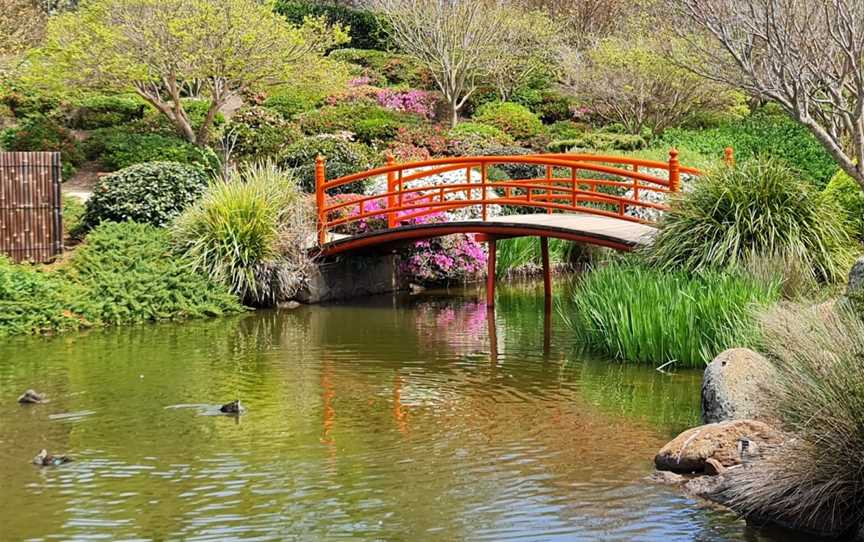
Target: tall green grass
(760, 208)
(521, 255)
(635, 313)
(249, 232)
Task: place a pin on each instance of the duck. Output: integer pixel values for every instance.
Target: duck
(44, 460)
(31, 397)
(234, 407)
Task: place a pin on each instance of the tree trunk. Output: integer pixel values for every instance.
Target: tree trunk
(454, 114)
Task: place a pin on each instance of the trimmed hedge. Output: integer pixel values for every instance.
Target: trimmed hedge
(151, 193)
(513, 119)
(39, 133)
(367, 29)
(370, 123)
(471, 137)
(116, 148)
(259, 133)
(104, 111)
(600, 142)
(343, 158)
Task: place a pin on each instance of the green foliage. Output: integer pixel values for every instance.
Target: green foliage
(34, 301)
(151, 193)
(116, 148)
(367, 30)
(758, 209)
(130, 273)
(196, 110)
(238, 234)
(513, 119)
(599, 141)
(845, 192)
(468, 138)
(397, 69)
(343, 157)
(39, 133)
(103, 111)
(290, 104)
(639, 314)
(370, 123)
(522, 256)
(258, 132)
(566, 129)
(73, 213)
(515, 171)
(762, 133)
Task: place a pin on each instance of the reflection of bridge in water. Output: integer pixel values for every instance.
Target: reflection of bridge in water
(607, 201)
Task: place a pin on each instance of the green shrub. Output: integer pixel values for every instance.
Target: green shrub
(639, 314)
(515, 171)
(39, 133)
(397, 69)
(196, 109)
(129, 271)
(600, 142)
(759, 208)
(34, 301)
(566, 129)
(259, 133)
(73, 213)
(370, 123)
(845, 192)
(762, 133)
(343, 158)
(367, 29)
(104, 111)
(151, 193)
(468, 138)
(117, 148)
(553, 107)
(291, 104)
(249, 232)
(513, 119)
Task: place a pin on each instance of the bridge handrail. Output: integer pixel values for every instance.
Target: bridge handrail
(398, 199)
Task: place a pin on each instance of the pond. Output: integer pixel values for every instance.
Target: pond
(388, 418)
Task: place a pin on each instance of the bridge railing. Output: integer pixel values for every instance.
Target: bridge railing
(603, 185)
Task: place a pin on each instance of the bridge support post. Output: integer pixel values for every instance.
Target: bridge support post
(490, 273)
(547, 270)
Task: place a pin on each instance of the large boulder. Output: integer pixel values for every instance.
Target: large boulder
(733, 386)
(729, 443)
(856, 278)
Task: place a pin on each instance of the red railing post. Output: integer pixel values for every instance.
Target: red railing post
(729, 156)
(391, 188)
(320, 180)
(674, 171)
(549, 197)
(483, 188)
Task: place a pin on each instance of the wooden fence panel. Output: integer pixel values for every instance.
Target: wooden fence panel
(31, 228)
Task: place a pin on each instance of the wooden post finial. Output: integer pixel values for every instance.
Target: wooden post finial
(729, 156)
(674, 171)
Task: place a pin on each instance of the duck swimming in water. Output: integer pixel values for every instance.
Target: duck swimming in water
(234, 407)
(31, 397)
(44, 460)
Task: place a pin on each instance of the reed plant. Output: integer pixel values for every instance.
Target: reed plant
(635, 313)
(758, 208)
(815, 480)
(250, 231)
(521, 256)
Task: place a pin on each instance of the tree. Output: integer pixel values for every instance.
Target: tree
(531, 43)
(587, 21)
(23, 25)
(631, 83)
(806, 55)
(158, 47)
(456, 40)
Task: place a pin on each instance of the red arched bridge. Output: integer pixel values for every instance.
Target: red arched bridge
(609, 201)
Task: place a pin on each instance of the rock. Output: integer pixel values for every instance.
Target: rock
(713, 467)
(856, 277)
(734, 385)
(666, 477)
(31, 397)
(689, 451)
(288, 305)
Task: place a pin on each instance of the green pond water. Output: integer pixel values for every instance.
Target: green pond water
(393, 418)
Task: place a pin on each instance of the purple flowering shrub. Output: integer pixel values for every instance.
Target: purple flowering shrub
(419, 102)
(453, 258)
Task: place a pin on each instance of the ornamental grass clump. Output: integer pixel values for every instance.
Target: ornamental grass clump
(758, 208)
(635, 313)
(250, 232)
(815, 480)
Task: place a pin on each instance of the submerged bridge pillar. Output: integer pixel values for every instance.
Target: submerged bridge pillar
(491, 266)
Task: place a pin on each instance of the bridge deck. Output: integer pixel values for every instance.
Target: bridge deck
(580, 227)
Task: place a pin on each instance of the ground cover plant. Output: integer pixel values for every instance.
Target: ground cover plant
(634, 313)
